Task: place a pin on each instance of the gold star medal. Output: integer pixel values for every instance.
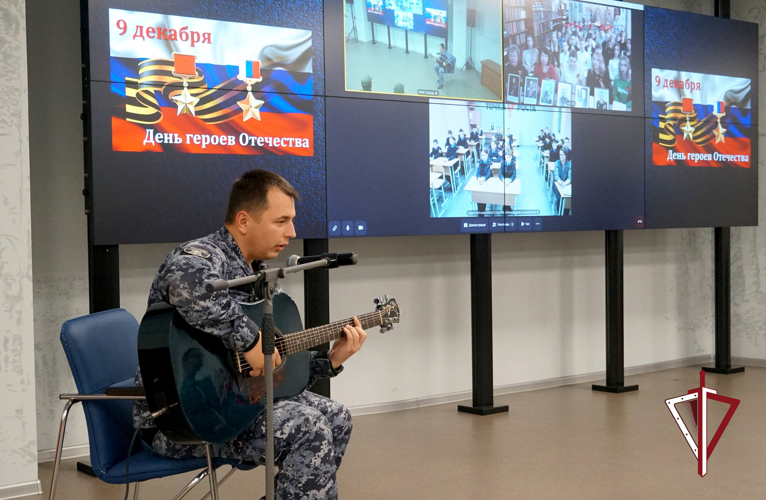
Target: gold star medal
(687, 108)
(185, 67)
(251, 107)
(687, 129)
(250, 73)
(719, 137)
(719, 112)
(185, 102)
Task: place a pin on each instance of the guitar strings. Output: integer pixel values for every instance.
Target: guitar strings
(294, 342)
(298, 341)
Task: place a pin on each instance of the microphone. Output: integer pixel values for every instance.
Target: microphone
(333, 259)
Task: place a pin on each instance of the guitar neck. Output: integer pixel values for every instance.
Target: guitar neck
(312, 337)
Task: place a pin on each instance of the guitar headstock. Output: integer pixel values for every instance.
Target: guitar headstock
(389, 312)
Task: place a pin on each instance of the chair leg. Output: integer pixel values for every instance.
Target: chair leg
(135, 490)
(60, 447)
(228, 474)
(194, 482)
(211, 472)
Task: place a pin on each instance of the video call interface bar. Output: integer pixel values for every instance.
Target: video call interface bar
(417, 117)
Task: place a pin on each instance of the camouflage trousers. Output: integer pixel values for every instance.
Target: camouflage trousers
(311, 433)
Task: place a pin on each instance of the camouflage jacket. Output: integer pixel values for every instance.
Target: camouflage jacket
(181, 280)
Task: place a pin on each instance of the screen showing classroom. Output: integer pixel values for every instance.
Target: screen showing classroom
(446, 132)
(425, 48)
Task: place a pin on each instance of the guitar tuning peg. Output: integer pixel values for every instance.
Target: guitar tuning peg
(376, 301)
(383, 329)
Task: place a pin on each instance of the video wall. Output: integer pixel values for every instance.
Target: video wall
(478, 123)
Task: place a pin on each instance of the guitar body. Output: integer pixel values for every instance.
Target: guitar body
(192, 375)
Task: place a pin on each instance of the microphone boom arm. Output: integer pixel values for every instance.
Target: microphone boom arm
(270, 275)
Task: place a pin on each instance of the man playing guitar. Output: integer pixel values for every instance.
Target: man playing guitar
(311, 432)
(445, 63)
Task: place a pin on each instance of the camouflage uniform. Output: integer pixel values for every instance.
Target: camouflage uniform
(310, 432)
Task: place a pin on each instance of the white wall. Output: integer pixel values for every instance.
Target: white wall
(59, 230)
(18, 445)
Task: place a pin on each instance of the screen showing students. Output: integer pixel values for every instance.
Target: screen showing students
(492, 160)
(569, 54)
(446, 48)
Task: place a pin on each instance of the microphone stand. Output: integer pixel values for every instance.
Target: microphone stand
(267, 280)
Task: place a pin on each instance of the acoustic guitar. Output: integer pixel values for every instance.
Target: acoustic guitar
(204, 391)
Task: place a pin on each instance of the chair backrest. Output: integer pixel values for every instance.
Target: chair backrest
(102, 351)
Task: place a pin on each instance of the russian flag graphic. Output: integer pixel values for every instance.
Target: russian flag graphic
(719, 108)
(250, 69)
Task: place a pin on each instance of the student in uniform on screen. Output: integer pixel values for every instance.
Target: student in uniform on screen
(494, 152)
(451, 152)
(614, 62)
(508, 173)
(628, 52)
(483, 172)
(621, 87)
(563, 57)
(367, 83)
(598, 76)
(514, 66)
(555, 151)
(584, 58)
(436, 151)
(562, 173)
(530, 56)
(571, 72)
(462, 141)
(544, 70)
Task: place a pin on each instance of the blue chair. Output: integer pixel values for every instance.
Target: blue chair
(101, 350)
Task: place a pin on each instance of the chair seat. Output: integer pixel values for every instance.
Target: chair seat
(146, 465)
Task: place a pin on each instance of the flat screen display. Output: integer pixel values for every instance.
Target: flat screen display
(186, 95)
(480, 116)
(701, 133)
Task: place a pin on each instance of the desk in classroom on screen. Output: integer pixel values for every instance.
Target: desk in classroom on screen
(494, 191)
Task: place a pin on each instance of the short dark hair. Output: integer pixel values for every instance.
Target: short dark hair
(441, 46)
(250, 192)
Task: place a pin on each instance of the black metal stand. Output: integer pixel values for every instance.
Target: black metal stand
(615, 324)
(103, 277)
(352, 36)
(406, 42)
(481, 328)
(372, 29)
(388, 28)
(469, 62)
(722, 244)
(316, 300)
(425, 46)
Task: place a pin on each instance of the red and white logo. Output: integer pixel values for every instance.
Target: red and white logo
(693, 405)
